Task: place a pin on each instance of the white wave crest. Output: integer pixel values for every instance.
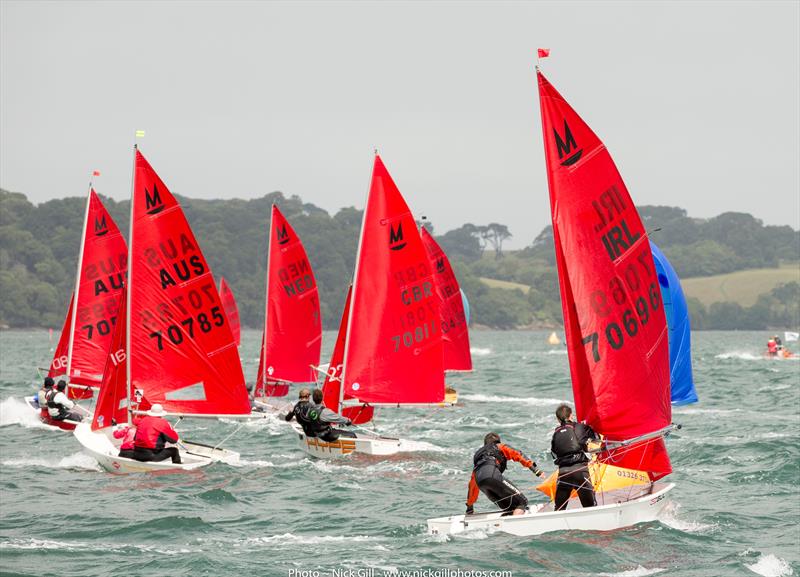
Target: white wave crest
(741, 355)
(74, 461)
(556, 352)
(39, 544)
(670, 518)
(16, 412)
(525, 400)
(291, 540)
(771, 566)
(638, 572)
(479, 352)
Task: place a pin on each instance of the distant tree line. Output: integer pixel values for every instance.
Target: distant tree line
(39, 246)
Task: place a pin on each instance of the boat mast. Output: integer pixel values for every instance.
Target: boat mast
(78, 284)
(266, 301)
(353, 295)
(129, 293)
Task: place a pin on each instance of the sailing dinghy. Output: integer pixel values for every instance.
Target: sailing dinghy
(615, 327)
(179, 349)
(292, 337)
(389, 349)
(86, 336)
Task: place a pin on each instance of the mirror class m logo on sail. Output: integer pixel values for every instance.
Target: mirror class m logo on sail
(565, 146)
(283, 236)
(100, 226)
(396, 241)
(153, 203)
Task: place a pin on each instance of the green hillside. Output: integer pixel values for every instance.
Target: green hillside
(743, 287)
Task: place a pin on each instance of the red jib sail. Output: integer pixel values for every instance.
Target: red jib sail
(181, 350)
(332, 386)
(112, 400)
(455, 332)
(292, 328)
(102, 269)
(393, 352)
(58, 366)
(231, 310)
(615, 323)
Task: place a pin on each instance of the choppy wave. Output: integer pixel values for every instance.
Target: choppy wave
(479, 352)
(525, 400)
(16, 412)
(771, 566)
(74, 461)
(292, 540)
(637, 572)
(44, 544)
(671, 519)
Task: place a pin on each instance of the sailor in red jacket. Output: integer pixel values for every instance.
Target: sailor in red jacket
(487, 476)
(152, 433)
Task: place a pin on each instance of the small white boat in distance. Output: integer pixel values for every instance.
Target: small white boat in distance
(104, 448)
(622, 510)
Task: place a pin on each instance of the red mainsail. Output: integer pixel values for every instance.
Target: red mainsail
(181, 351)
(231, 310)
(112, 400)
(615, 324)
(332, 386)
(292, 325)
(393, 352)
(102, 269)
(455, 332)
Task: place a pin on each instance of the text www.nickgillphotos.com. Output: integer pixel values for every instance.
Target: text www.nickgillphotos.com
(395, 572)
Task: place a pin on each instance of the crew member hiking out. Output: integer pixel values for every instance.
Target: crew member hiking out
(569, 446)
(41, 396)
(316, 419)
(59, 407)
(487, 476)
(152, 433)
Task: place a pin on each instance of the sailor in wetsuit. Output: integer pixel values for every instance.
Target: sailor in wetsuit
(316, 419)
(569, 446)
(487, 475)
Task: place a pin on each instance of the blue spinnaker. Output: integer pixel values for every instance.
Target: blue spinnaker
(680, 341)
(466, 305)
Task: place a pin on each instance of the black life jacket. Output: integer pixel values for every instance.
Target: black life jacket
(51, 404)
(308, 415)
(567, 447)
(489, 455)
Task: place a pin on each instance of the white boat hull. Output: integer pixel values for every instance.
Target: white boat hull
(104, 449)
(642, 509)
(362, 443)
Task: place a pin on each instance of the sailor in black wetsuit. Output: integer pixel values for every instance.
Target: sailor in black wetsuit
(316, 419)
(487, 476)
(569, 446)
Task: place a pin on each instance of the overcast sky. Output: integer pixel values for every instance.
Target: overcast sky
(698, 102)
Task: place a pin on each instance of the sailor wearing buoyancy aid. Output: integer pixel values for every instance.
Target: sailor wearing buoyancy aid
(59, 407)
(489, 464)
(316, 419)
(569, 446)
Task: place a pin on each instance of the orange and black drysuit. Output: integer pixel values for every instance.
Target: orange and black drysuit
(487, 476)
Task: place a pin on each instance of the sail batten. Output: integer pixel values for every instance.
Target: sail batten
(614, 320)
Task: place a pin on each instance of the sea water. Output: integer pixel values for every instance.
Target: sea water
(735, 509)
